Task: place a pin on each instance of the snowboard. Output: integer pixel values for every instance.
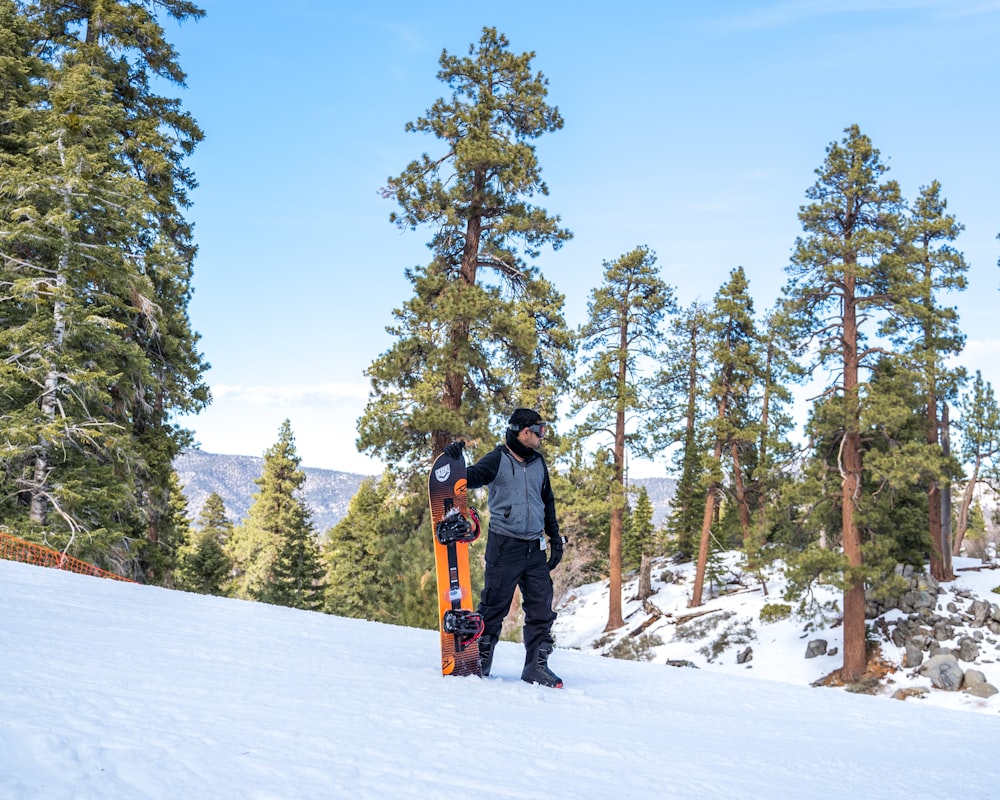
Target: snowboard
(455, 525)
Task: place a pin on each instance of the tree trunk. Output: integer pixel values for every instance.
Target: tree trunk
(947, 571)
(855, 657)
(38, 510)
(706, 533)
(454, 381)
(710, 509)
(934, 494)
(645, 577)
(963, 510)
(741, 496)
(615, 618)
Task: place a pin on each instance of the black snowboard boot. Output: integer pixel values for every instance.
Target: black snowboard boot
(486, 644)
(536, 668)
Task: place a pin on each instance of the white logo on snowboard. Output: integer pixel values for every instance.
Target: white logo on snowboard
(443, 473)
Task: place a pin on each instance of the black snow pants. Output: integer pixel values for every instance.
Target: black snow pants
(520, 563)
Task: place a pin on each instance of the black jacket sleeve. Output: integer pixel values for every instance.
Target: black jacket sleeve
(551, 523)
(484, 470)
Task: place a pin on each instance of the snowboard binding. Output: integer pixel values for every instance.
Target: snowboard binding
(455, 528)
(466, 626)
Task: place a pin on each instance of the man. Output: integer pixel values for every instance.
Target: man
(524, 544)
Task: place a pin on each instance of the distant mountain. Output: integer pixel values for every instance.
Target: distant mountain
(661, 493)
(327, 492)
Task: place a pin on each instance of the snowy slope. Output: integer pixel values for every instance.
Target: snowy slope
(112, 690)
(733, 618)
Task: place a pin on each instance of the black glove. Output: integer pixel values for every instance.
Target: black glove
(555, 550)
(454, 450)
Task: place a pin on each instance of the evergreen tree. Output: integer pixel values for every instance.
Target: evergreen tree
(621, 340)
(274, 550)
(733, 427)
(682, 384)
(406, 572)
(839, 278)
(97, 266)
(638, 538)
(352, 553)
(583, 488)
(214, 518)
(775, 451)
(66, 211)
(484, 331)
(926, 332)
(203, 565)
(979, 428)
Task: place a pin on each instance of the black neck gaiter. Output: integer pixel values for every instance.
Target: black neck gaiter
(515, 446)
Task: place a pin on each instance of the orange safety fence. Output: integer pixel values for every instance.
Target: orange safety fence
(14, 549)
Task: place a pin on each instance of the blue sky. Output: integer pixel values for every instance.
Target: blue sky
(693, 128)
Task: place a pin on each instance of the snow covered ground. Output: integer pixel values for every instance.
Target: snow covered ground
(111, 690)
(778, 648)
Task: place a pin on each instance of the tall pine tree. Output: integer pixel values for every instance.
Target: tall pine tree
(97, 261)
(733, 426)
(839, 278)
(621, 340)
(682, 384)
(484, 331)
(926, 332)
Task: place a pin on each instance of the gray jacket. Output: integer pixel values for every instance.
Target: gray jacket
(520, 495)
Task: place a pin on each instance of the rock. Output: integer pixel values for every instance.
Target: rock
(943, 632)
(968, 650)
(914, 656)
(744, 656)
(983, 690)
(944, 672)
(972, 677)
(911, 691)
(817, 647)
(980, 612)
(832, 651)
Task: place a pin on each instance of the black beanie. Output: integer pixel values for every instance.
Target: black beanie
(522, 418)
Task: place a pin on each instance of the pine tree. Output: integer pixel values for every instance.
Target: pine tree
(67, 212)
(621, 340)
(484, 331)
(979, 427)
(214, 518)
(839, 278)
(351, 552)
(927, 333)
(638, 538)
(97, 265)
(775, 451)
(682, 384)
(203, 565)
(733, 427)
(274, 550)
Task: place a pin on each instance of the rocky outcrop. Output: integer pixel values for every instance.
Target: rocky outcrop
(938, 635)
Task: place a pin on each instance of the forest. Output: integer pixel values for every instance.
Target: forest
(99, 355)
